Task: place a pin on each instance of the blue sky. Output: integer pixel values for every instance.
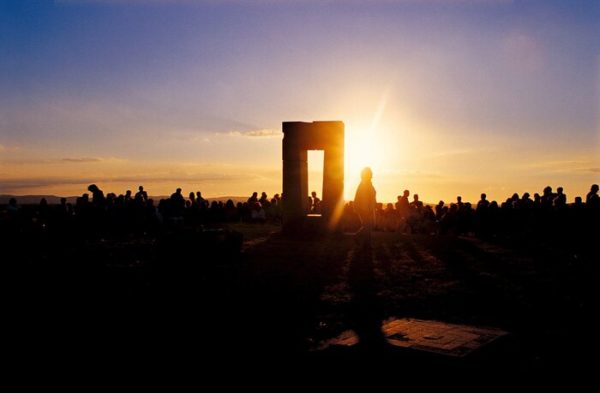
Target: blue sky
(441, 97)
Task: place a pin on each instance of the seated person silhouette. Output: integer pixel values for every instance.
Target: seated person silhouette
(315, 204)
(416, 204)
(402, 206)
(592, 199)
(483, 203)
(365, 201)
(98, 198)
(200, 200)
(264, 200)
(141, 195)
(253, 199)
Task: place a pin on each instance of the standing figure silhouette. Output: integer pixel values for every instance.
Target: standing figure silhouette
(365, 201)
(365, 311)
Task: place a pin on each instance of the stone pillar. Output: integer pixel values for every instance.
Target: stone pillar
(333, 184)
(295, 179)
(298, 138)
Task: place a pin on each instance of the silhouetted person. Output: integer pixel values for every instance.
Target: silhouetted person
(526, 203)
(253, 199)
(316, 203)
(141, 195)
(62, 212)
(483, 202)
(231, 214)
(264, 200)
(83, 200)
(439, 211)
(309, 202)
(63, 208)
(177, 203)
(97, 195)
(13, 207)
(560, 200)
(177, 196)
(402, 206)
(547, 197)
(467, 218)
(390, 218)
(592, 198)
(416, 204)
(200, 200)
(257, 212)
(365, 201)
(43, 209)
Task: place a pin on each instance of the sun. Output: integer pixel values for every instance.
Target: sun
(376, 135)
(364, 147)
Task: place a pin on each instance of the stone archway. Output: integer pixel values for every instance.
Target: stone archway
(298, 138)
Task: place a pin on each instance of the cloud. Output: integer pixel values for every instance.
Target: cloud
(65, 160)
(127, 2)
(20, 183)
(523, 52)
(4, 148)
(463, 152)
(408, 174)
(558, 164)
(572, 167)
(263, 133)
(260, 133)
(81, 160)
(279, 2)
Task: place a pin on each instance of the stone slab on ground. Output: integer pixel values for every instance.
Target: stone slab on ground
(430, 336)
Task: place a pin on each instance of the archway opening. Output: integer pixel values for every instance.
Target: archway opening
(316, 160)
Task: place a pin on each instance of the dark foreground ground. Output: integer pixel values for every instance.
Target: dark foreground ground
(280, 298)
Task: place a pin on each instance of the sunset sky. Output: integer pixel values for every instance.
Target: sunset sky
(443, 98)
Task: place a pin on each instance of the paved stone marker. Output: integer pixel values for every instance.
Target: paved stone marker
(430, 336)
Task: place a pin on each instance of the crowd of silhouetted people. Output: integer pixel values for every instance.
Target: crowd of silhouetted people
(137, 213)
(545, 213)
